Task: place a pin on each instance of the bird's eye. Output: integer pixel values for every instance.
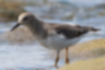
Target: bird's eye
(25, 18)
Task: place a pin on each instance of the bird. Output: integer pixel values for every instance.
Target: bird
(52, 35)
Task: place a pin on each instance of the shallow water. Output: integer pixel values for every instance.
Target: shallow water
(24, 57)
(36, 57)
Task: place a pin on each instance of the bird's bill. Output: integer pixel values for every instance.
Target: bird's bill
(17, 25)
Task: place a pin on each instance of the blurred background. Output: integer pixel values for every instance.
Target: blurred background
(19, 49)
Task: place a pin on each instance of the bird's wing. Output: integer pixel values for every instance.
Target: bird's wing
(73, 31)
(69, 31)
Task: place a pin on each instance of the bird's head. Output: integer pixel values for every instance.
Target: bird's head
(24, 19)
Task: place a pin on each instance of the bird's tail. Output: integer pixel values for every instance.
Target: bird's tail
(94, 29)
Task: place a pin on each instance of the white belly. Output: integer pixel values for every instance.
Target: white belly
(56, 42)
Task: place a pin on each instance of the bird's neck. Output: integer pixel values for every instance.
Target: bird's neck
(37, 29)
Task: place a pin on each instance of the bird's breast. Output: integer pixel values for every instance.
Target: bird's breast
(57, 42)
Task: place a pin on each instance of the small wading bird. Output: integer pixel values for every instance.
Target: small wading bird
(53, 36)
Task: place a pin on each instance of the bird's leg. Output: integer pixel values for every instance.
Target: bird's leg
(57, 59)
(67, 58)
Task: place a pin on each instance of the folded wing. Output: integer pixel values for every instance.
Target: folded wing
(73, 31)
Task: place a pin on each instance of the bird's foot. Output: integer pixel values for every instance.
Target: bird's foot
(67, 61)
